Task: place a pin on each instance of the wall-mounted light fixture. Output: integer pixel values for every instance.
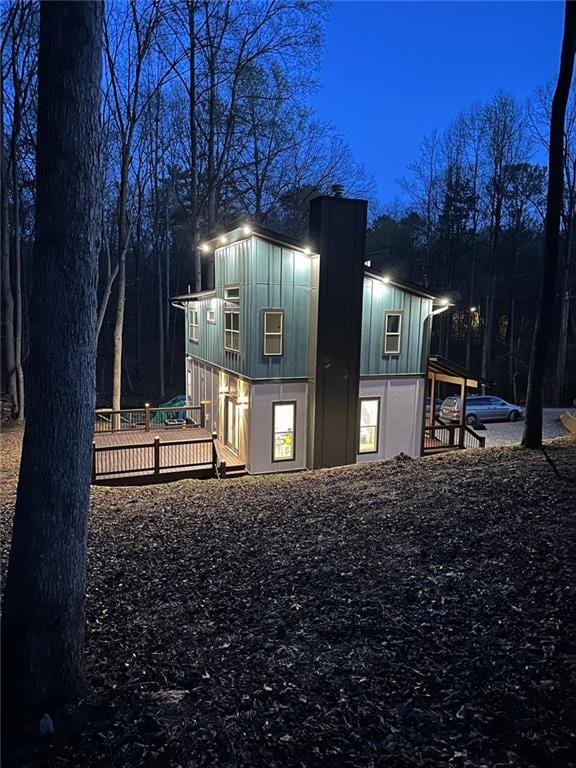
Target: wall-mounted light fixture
(204, 247)
(385, 279)
(223, 239)
(246, 230)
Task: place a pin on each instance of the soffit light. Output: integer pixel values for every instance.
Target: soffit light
(223, 239)
(385, 279)
(246, 230)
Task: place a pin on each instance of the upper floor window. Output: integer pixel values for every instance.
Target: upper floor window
(211, 316)
(232, 330)
(193, 328)
(273, 331)
(392, 332)
(232, 292)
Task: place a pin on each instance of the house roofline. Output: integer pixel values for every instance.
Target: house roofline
(237, 231)
(403, 284)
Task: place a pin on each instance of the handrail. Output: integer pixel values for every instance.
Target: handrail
(119, 419)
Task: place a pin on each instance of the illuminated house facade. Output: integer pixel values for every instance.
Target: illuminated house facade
(303, 356)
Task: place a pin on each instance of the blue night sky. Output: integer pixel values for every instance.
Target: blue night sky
(393, 71)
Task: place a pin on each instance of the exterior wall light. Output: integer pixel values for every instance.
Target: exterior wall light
(246, 230)
(307, 251)
(385, 279)
(223, 239)
(473, 309)
(444, 302)
(204, 247)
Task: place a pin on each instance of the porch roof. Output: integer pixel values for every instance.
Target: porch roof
(445, 370)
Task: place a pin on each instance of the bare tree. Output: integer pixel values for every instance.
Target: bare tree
(43, 622)
(532, 437)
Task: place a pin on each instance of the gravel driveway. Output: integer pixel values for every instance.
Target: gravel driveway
(507, 433)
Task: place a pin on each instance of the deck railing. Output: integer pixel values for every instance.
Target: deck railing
(127, 419)
(154, 458)
(440, 435)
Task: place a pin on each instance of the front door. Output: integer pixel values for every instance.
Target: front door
(231, 424)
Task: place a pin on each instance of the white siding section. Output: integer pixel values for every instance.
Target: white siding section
(202, 385)
(260, 425)
(401, 413)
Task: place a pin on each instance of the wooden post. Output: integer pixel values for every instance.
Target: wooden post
(93, 461)
(432, 397)
(147, 416)
(156, 455)
(202, 414)
(463, 413)
(222, 469)
(214, 452)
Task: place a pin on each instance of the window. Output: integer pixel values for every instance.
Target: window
(232, 292)
(369, 419)
(211, 316)
(273, 331)
(232, 330)
(193, 328)
(283, 420)
(392, 332)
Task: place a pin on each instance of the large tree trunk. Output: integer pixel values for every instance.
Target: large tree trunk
(532, 437)
(43, 623)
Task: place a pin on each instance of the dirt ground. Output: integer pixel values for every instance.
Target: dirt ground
(398, 614)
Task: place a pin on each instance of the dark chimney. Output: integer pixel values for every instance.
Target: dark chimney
(337, 234)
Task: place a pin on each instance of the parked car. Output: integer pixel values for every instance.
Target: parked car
(480, 408)
(437, 404)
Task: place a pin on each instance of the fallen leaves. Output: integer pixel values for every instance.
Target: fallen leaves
(405, 613)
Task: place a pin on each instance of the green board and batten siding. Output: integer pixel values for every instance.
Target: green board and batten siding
(270, 277)
(378, 299)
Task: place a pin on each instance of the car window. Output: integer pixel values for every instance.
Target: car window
(480, 401)
(450, 402)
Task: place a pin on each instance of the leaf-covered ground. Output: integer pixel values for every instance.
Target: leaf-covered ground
(405, 613)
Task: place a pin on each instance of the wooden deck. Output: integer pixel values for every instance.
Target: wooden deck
(137, 455)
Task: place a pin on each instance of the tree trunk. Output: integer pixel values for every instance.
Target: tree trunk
(8, 295)
(560, 383)
(196, 260)
(18, 289)
(532, 437)
(121, 284)
(43, 625)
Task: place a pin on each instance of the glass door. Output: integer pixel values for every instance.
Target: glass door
(231, 424)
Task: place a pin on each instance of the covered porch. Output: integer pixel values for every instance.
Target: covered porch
(438, 436)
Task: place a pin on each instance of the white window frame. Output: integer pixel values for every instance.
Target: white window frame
(369, 426)
(233, 287)
(235, 333)
(193, 325)
(274, 431)
(391, 334)
(273, 334)
(211, 315)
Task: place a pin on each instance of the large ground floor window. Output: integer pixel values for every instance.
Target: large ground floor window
(369, 420)
(283, 431)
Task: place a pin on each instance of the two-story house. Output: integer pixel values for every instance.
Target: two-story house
(302, 355)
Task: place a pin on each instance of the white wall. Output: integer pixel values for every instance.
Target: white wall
(260, 425)
(401, 412)
(202, 384)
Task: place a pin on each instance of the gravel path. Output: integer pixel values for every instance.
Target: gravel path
(510, 433)
(387, 615)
